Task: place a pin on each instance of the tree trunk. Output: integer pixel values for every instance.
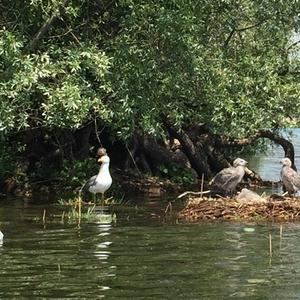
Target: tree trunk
(196, 155)
(160, 155)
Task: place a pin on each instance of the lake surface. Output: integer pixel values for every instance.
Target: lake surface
(146, 254)
(268, 164)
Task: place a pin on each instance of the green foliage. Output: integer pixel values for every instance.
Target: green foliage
(218, 62)
(61, 87)
(178, 174)
(9, 155)
(178, 59)
(75, 173)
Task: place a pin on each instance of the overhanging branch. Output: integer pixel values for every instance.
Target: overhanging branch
(287, 146)
(234, 30)
(45, 27)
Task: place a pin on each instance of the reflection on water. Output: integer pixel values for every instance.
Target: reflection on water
(145, 256)
(268, 164)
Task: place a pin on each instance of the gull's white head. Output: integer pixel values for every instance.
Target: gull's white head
(239, 162)
(286, 162)
(104, 159)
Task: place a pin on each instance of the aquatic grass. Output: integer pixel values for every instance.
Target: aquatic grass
(107, 201)
(77, 213)
(80, 210)
(73, 216)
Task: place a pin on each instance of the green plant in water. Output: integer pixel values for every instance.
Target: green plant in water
(107, 201)
(79, 211)
(89, 215)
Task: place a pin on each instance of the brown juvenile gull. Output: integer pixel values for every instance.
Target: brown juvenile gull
(227, 179)
(289, 177)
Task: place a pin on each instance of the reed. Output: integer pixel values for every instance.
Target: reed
(169, 208)
(202, 182)
(44, 216)
(280, 236)
(63, 217)
(270, 245)
(79, 211)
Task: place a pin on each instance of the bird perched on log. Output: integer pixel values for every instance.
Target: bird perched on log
(226, 180)
(101, 182)
(289, 177)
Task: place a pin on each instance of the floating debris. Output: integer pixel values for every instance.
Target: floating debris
(232, 209)
(249, 229)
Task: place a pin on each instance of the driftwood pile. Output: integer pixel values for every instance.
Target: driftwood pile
(231, 209)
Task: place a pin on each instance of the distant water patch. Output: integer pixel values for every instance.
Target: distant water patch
(268, 164)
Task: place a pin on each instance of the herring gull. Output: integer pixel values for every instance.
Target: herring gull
(101, 182)
(289, 177)
(227, 179)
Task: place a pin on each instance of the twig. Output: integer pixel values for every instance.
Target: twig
(133, 160)
(280, 236)
(201, 189)
(193, 193)
(270, 245)
(79, 211)
(46, 26)
(169, 207)
(221, 197)
(97, 135)
(292, 45)
(109, 198)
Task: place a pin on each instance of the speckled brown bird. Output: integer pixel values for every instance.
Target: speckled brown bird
(289, 177)
(226, 180)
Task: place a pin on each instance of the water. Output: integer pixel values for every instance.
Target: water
(143, 255)
(146, 254)
(268, 164)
